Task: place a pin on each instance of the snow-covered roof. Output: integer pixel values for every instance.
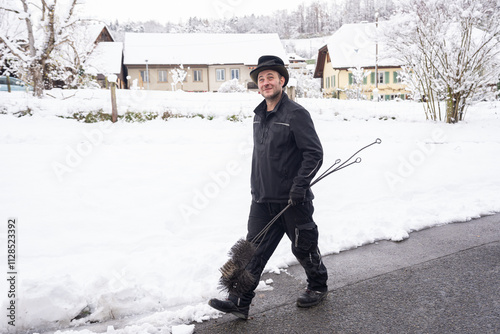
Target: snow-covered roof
(355, 45)
(200, 49)
(94, 29)
(106, 58)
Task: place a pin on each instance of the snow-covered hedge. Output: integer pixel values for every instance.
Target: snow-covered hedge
(232, 86)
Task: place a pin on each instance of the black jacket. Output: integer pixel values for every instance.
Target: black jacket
(287, 151)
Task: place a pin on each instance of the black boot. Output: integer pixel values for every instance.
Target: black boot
(231, 305)
(310, 298)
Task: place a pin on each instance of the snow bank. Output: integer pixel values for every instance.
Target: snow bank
(65, 103)
(131, 221)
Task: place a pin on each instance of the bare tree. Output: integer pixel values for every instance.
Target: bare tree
(452, 50)
(320, 17)
(41, 27)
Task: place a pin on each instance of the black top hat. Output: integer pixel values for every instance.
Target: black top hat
(270, 63)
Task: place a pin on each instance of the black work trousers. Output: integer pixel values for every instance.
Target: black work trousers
(298, 224)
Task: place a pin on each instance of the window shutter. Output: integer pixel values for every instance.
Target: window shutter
(387, 77)
(372, 77)
(333, 80)
(365, 80)
(395, 77)
(402, 96)
(350, 78)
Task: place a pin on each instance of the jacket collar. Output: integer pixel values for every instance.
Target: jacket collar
(261, 109)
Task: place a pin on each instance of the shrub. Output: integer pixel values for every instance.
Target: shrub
(232, 86)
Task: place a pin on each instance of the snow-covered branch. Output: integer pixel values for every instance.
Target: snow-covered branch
(46, 44)
(451, 48)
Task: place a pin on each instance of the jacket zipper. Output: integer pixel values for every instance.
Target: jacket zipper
(264, 129)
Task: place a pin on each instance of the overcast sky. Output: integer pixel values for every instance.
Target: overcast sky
(175, 10)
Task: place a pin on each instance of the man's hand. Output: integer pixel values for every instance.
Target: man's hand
(297, 195)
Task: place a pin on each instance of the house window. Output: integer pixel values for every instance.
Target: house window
(197, 75)
(235, 73)
(145, 76)
(380, 78)
(395, 97)
(353, 80)
(162, 76)
(397, 77)
(220, 74)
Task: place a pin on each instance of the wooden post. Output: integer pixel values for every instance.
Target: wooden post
(114, 109)
(290, 91)
(8, 84)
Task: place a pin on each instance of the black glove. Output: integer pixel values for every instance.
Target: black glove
(297, 195)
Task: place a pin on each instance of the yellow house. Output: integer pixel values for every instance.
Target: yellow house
(354, 46)
(208, 60)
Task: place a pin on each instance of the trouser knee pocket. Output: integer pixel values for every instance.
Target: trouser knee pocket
(306, 237)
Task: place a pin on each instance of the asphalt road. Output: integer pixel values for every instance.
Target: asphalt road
(441, 280)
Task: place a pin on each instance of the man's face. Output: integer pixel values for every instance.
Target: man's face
(270, 84)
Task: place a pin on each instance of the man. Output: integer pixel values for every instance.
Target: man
(287, 155)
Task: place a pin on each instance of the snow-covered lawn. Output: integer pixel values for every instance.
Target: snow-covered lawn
(135, 219)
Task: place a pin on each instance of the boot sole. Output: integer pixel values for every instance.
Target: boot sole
(236, 313)
(239, 315)
(307, 305)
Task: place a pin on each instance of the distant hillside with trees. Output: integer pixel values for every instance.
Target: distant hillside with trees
(314, 20)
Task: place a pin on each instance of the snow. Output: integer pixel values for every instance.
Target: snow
(183, 329)
(263, 286)
(133, 220)
(210, 49)
(106, 58)
(354, 45)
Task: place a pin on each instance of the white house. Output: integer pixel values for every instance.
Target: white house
(209, 59)
(359, 45)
